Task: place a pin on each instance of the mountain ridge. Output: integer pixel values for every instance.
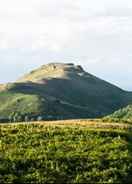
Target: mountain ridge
(63, 91)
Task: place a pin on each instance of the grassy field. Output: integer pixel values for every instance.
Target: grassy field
(76, 151)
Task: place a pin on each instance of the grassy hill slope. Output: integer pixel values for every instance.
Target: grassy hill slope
(62, 91)
(65, 152)
(122, 114)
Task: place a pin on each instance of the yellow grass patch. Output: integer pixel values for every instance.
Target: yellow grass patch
(96, 123)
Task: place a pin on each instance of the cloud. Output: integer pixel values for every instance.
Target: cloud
(94, 33)
(53, 24)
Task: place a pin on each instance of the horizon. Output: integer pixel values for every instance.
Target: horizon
(111, 82)
(96, 35)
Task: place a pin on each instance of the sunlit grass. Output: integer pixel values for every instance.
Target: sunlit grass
(76, 151)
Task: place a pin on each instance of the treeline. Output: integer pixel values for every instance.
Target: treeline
(19, 117)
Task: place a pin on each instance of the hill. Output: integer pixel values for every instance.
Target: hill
(66, 152)
(122, 114)
(60, 91)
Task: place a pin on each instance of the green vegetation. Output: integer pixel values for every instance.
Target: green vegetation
(124, 115)
(40, 153)
(60, 91)
(18, 106)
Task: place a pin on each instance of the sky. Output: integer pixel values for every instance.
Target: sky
(96, 34)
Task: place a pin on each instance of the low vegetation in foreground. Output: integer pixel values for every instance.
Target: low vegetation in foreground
(62, 152)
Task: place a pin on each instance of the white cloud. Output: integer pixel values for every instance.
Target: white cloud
(93, 33)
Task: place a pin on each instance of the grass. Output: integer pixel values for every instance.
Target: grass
(65, 152)
(80, 94)
(33, 100)
(124, 114)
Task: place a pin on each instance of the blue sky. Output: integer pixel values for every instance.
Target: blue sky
(96, 34)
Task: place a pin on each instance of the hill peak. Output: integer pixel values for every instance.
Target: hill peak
(63, 65)
(62, 90)
(53, 70)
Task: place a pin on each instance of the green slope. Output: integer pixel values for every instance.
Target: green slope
(62, 91)
(36, 153)
(37, 104)
(19, 103)
(122, 114)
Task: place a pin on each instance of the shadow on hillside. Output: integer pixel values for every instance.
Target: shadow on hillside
(72, 95)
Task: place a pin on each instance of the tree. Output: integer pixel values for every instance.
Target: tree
(39, 118)
(11, 116)
(26, 119)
